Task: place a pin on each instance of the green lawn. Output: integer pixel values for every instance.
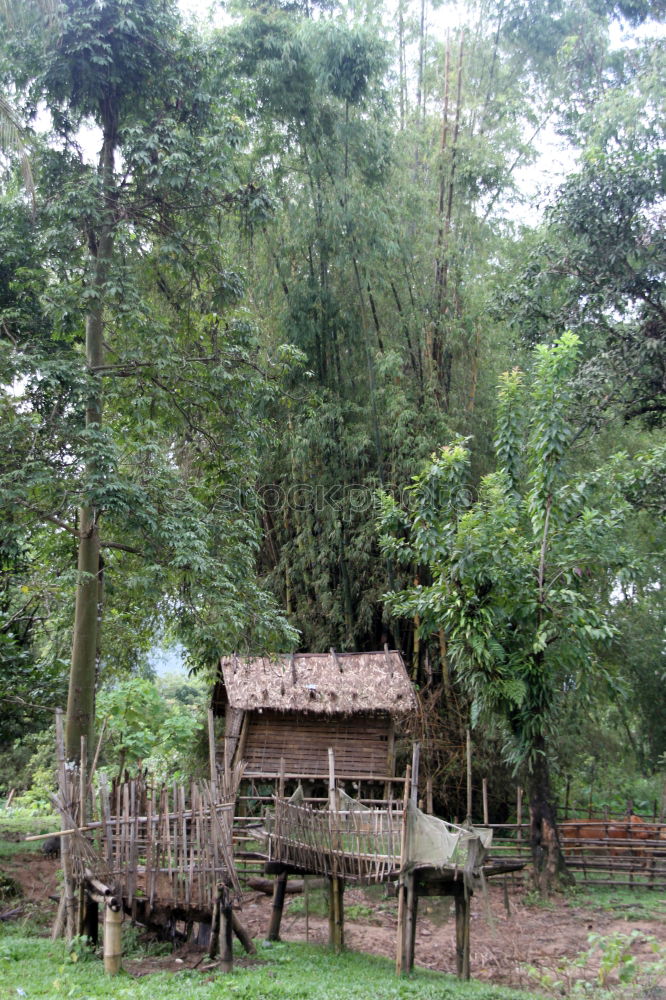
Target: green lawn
(36, 967)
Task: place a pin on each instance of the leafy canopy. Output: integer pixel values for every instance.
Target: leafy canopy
(524, 571)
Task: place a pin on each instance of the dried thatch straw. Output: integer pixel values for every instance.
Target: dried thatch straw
(321, 683)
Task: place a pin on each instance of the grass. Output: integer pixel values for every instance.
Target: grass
(17, 823)
(628, 904)
(34, 967)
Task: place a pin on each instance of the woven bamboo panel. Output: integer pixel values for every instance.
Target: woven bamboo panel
(360, 744)
(360, 845)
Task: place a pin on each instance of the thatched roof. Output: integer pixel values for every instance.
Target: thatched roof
(323, 683)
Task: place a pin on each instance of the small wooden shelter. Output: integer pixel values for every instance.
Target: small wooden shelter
(284, 713)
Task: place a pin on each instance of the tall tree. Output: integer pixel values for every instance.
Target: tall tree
(523, 575)
(135, 304)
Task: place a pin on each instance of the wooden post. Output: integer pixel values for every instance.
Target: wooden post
(412, 903)
(430, 809)
(336, 915)
(390, 763)
(83, 788)
(279, 890)
(70, 909)
(336, 930)
(400, 942)
(462, 934)
(214, 941)
(485, 801)
(212, 754)
(241, 933)
(226, 934)
(519, 815)
(410, 893)
(113, 953)
(468, 818)
(416, 756)
(281, 779)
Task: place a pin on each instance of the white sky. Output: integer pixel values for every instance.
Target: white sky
(536, 181)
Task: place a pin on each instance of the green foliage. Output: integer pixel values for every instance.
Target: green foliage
(182, 380)
(599, 266)
(144, 727)
(523, 576)
(614, 958)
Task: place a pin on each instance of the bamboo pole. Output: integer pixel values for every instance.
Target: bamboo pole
(468, 818)
(279, 891)
(336, 906)
(93, 766)
(113, 954)
(401, 880)
(83, 787)
(411, 896)
(429, 799)
(485, 801)
(65, 857)
(212, 754)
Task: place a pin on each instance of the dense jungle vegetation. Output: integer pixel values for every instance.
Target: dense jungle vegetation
(305, 342)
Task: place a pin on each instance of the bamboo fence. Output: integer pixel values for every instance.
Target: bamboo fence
(636, 861)
(169, 846)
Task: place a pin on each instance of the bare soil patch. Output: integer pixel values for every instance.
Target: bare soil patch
(503, 944)
(36, 874)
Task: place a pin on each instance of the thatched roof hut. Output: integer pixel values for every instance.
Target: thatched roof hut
(291, 709)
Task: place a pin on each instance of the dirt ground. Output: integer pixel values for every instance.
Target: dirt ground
(504, 944)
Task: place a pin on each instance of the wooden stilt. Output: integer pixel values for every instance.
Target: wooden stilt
(462, 935)
(91, 928)
(214, 942)
(336, 884)
(411, 903)
(226, 933)
(336, 925)
(113, 954)
(409, 889)
(59, 922)
(241, 933)
(331, 914)
(279, 890)
(400, 941)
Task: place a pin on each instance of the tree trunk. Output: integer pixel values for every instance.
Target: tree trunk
(87, 610)
(550, 870)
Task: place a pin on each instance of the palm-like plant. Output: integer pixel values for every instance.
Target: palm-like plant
(12, 139)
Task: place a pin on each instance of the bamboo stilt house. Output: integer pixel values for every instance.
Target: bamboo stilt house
(282, 714)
